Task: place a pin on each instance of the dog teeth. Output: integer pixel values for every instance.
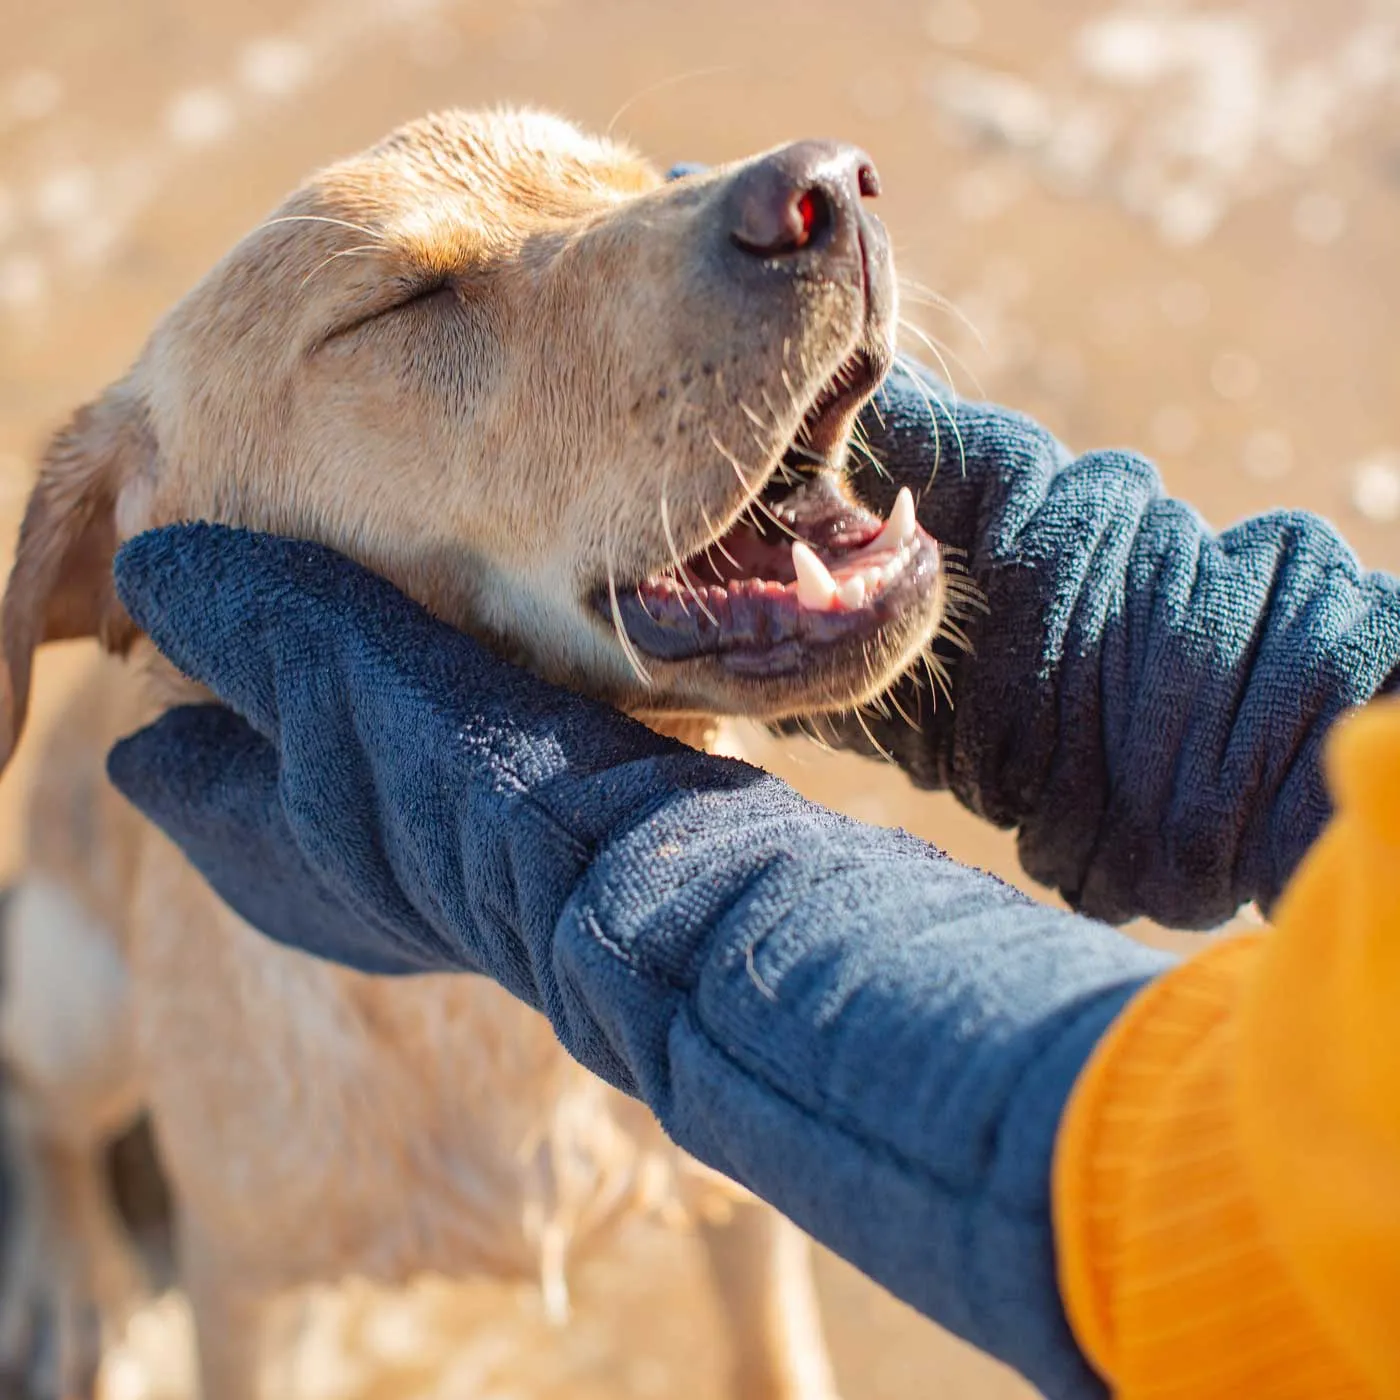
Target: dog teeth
(815, 586)
(819, 591)
(900, 527)
(851, 594)
(903, 514)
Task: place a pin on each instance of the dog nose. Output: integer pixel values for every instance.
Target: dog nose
(803, 196)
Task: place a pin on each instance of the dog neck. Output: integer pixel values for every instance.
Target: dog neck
(699, 731)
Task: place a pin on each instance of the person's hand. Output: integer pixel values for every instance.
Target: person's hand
(830, 1013)
(373, 779)
(1144, 700)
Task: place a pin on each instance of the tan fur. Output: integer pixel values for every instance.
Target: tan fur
(442, 359)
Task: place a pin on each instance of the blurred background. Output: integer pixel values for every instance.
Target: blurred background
(1168, 226)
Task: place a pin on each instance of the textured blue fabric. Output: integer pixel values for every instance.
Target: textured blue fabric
(873, 1038)
(1147, 699)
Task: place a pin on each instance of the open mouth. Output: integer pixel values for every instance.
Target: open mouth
(805, 572)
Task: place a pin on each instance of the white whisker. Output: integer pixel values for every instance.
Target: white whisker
(938, 676)
(624, 641)
(902, 712)
(754, 498)
(718, 542)
(753, 417)
(928, 297)
(922, 390)
(773, 411)
(874, 742)
(912, 370)
(681, 572)
(661, 85)
(323, 219)
(956, 635)
(861, 444)
(344, 253)
(936, 348)
(792, 393)
(811, 735)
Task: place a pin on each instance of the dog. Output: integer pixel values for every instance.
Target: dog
(596, 418)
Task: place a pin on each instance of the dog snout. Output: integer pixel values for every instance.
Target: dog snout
(802, 201)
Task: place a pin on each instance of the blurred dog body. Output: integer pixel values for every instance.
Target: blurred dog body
(506, 366)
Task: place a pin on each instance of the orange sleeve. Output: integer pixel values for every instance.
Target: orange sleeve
(1227, 1174)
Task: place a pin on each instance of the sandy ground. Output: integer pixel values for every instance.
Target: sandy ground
(1172, 227)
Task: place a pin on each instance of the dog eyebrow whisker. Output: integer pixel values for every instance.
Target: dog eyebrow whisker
(660, 85)
(322, 219)
(343, 253)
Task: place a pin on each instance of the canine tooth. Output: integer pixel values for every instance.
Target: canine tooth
(851, 594)
(903, 514)
(899, 528)
(815, 585)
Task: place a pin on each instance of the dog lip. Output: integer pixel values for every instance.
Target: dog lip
(759, 630)
(741, 604)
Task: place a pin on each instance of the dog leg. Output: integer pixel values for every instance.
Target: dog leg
(762, 1266)
(67, 1268)
(69, 1087)
(227, 1318)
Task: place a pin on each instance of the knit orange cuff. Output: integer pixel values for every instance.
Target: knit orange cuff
(1170, 1280)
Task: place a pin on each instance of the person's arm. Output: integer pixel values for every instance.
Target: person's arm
(1227, 1179)
(874, 1039)
(1147, 700)
(877, 1041)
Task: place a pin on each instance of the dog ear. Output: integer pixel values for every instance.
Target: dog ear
(61, 584)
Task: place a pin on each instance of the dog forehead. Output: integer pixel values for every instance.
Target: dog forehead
(492, 172)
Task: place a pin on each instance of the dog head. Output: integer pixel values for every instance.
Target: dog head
(596, 418)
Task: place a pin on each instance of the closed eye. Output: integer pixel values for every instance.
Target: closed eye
(402, 300)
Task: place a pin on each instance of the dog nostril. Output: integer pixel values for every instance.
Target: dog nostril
(869, 180)
(814, 216)
(777, 222)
